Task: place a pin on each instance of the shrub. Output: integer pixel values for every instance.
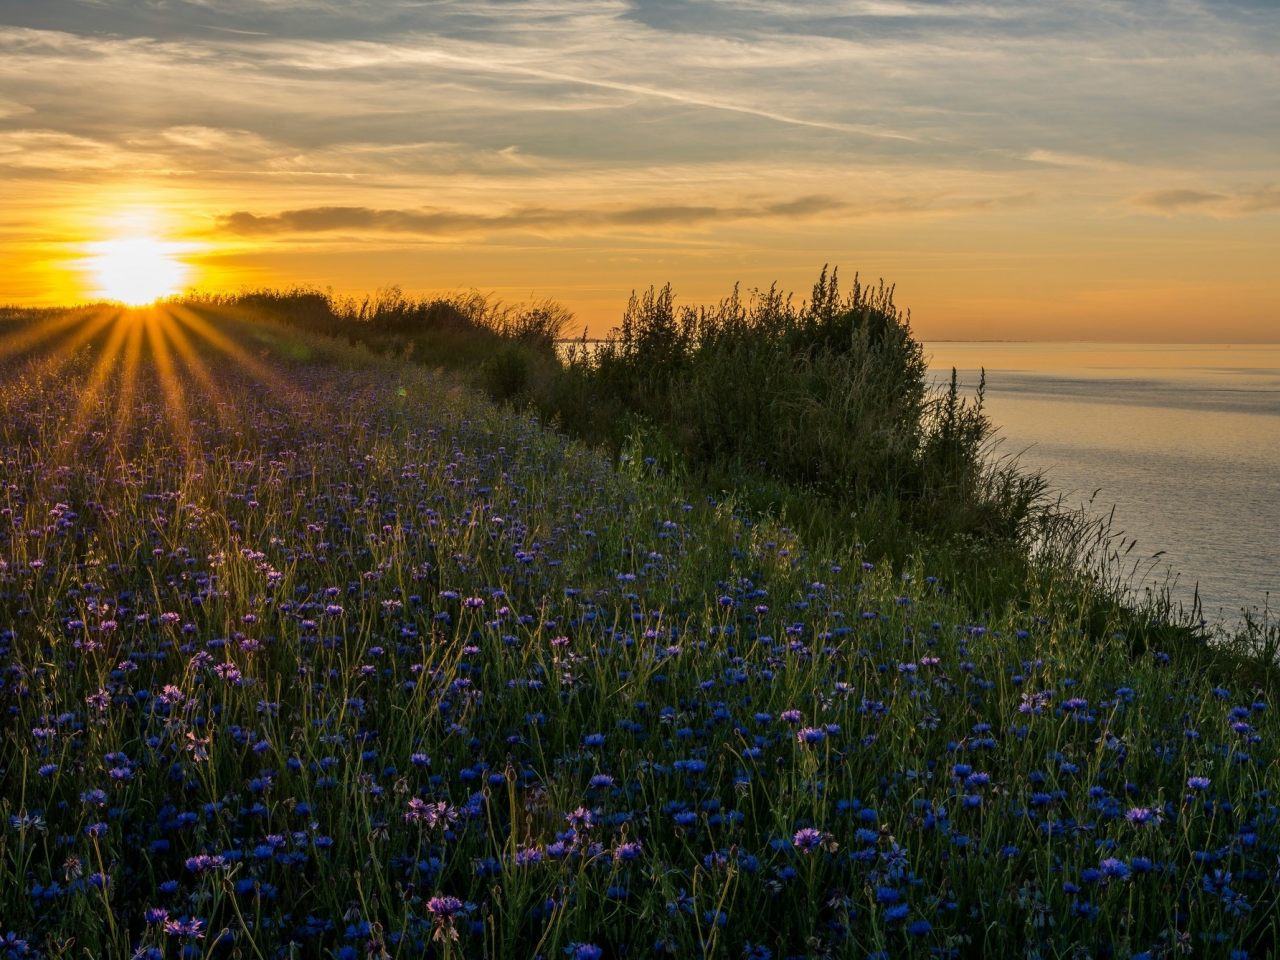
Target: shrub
(505, 375)
(831, 396)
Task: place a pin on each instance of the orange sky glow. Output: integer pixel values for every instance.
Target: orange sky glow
(1067, 170)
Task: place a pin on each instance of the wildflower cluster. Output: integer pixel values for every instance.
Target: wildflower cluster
(325, 655)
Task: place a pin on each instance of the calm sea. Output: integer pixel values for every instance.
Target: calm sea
(1183, 440)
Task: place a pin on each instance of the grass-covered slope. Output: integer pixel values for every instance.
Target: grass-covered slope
(821, 409)
(308, 653)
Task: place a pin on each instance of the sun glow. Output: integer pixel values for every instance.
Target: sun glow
(137, 270)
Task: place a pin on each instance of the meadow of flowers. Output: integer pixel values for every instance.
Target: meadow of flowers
(309, 653)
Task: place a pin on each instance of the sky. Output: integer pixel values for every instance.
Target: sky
(1043, 169)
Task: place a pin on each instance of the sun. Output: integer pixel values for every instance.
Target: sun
(136, 270)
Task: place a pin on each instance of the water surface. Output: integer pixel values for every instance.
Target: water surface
(1183, 440)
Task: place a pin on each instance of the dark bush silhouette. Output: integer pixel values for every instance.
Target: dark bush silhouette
(830, 396)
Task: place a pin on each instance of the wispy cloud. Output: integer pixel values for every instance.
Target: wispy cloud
(431, 222)
(12, 108)
(434, 222)
(1259, 200)
(1216, 204)
(37, 149)
(1059, 158)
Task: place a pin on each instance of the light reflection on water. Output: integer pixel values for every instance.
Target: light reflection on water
(1183, 439)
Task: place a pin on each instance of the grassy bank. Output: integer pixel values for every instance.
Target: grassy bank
(819, 413)
(313, 652)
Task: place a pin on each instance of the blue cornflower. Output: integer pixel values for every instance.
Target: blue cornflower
(896, 914)
(1111, 867)
(682, 902)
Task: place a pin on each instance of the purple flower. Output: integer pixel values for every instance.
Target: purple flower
(99, 701)
(1142, 816)
(445, 907)
(190, 928)
(627, 852)
(204, 862)
(809, 839)
(429, 814)
(528, 856)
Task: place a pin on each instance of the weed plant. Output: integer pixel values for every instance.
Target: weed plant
(307, 652)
